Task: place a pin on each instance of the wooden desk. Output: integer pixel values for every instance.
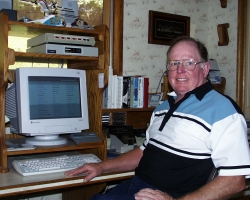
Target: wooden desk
(13, 183)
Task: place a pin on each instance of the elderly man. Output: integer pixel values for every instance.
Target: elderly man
(192, 132)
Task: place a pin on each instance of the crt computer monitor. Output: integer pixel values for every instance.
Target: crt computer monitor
(43, 103)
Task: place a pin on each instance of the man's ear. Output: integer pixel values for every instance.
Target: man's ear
(206, 68)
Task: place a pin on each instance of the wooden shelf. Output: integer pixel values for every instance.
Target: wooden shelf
(55, 56)
(137, 117)
(105, 110)
(70, 146)
(76, 62)
(29, 30)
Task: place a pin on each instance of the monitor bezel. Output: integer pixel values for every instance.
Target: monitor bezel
(36, 127)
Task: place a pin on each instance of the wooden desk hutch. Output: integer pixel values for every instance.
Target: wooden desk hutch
(92, 65)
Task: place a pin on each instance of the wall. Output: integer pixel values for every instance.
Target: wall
(142, 58)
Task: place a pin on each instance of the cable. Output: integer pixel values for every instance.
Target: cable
(160, 80)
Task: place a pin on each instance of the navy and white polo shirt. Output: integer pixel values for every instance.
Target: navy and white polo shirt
(185, 140)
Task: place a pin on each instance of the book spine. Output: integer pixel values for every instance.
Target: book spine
(114, 89)
(119, 92)
(145, 97)
(140, 92)
(105, 98)
(126, 92)
(132, 91)
(135, 93)
(109, 100)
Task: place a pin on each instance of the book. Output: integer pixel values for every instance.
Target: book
(131, 91)
(114, 91)
(145, 96)
(119, 91)
(140, 92)
(118, 118)
(126, 92)
(109, 99)
(105, 98)
(135, 92)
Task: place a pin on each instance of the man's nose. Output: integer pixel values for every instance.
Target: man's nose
(180, 68)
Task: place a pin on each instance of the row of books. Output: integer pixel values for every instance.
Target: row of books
(126, 92)
(116, 118)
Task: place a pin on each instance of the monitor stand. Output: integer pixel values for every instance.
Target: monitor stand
(46, 140)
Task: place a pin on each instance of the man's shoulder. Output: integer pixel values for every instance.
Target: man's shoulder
(163, 106)
(223, 101)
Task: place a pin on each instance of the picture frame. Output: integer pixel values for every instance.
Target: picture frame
(164, 27)
(154, 100)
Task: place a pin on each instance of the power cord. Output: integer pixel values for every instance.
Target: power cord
(160, 80)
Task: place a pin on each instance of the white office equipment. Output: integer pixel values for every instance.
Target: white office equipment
(214, 72)
(64, 50)
(70, 5)
(18, 147)
(154, 100)
(60, 39)
(46, 102)
(83, 138)
(6, 4)
(119, 146)
(36, 166)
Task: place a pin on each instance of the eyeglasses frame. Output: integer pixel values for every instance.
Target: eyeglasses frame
(181, 62)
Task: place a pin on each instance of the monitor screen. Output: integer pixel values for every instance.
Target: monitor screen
(46, 102)
(55, 97)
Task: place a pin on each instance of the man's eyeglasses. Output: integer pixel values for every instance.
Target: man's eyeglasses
(188, 64)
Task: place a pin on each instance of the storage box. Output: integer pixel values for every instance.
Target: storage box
(119, 145)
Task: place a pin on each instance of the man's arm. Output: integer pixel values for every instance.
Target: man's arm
(222, 187)
(125, 162)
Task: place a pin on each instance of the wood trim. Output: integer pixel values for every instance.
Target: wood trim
(118, 37)
(106, 12)
(223, 34)
(223, 3)
(5, 58)
(241, 53)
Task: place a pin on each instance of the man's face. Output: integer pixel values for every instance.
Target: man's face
(182, 80)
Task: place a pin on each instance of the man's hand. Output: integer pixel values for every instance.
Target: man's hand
(150, 194)
(93, 170)
(125, 162)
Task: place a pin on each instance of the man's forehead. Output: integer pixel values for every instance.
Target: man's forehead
(184, 48)
(185, 43)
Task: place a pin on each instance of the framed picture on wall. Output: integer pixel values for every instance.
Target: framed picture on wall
(164, 27)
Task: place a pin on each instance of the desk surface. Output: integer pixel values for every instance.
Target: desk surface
(13, 183)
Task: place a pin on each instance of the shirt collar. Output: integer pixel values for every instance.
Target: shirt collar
(200, 91)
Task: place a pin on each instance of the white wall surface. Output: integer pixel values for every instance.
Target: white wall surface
(141, 58)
